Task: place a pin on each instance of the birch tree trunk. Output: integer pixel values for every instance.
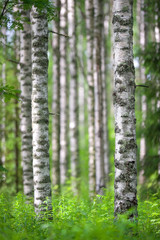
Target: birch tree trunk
(142, 40)
(26, 88)
(99, 157)
(125, 185)
(157, 39)
(41, 172)
(16, 143)
(63, 93)
(104, 92)
(16, 111)
(89, 28)
(56, 104)
(3, 137)
(73, 96)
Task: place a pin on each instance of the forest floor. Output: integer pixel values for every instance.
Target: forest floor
(78, 219)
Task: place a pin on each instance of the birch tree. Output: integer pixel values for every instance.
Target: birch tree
(104, 7)
(99, 157)
(26, 88)
(3, 138)
(63, 92)
(142, 41)
(124, 102)
(73, 96)
(56, 103)
(41, 173)
(89, 29)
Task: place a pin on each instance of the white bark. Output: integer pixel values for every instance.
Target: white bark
(56, 104)
(41, 174)
(124, 102)
(90, 80)
(73, 96)
(3, 125)
(63, 93)
(104, 33)
(26, 89)
(142, 31)
(98, 111)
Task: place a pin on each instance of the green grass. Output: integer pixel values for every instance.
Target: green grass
(78, 219)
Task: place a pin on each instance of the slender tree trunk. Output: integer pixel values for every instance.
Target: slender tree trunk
(56, 104)
(124, 101)
(157, 39)
(3, 126)
(90, 80)
(104, 94)
(63, 93)
(26, 89)
(16, 146)
(41, 171)
(73, 97)
(142, 31)
(99, 157)
(16, 113)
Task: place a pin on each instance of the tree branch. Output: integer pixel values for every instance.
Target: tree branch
(142, 86)
(13, 61)
(4, 8)
(50, 31)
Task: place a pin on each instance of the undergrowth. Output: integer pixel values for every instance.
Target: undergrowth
(77, 219)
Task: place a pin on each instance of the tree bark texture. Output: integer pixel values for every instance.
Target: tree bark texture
(89, 29)
(56, 104)
(124, 102)
(26, 89)
(73, 96)
(98, 110)
(40, 140)
(63, 93)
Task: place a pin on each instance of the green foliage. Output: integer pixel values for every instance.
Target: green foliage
(10, 15)
(78, 219)
(8, 92)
